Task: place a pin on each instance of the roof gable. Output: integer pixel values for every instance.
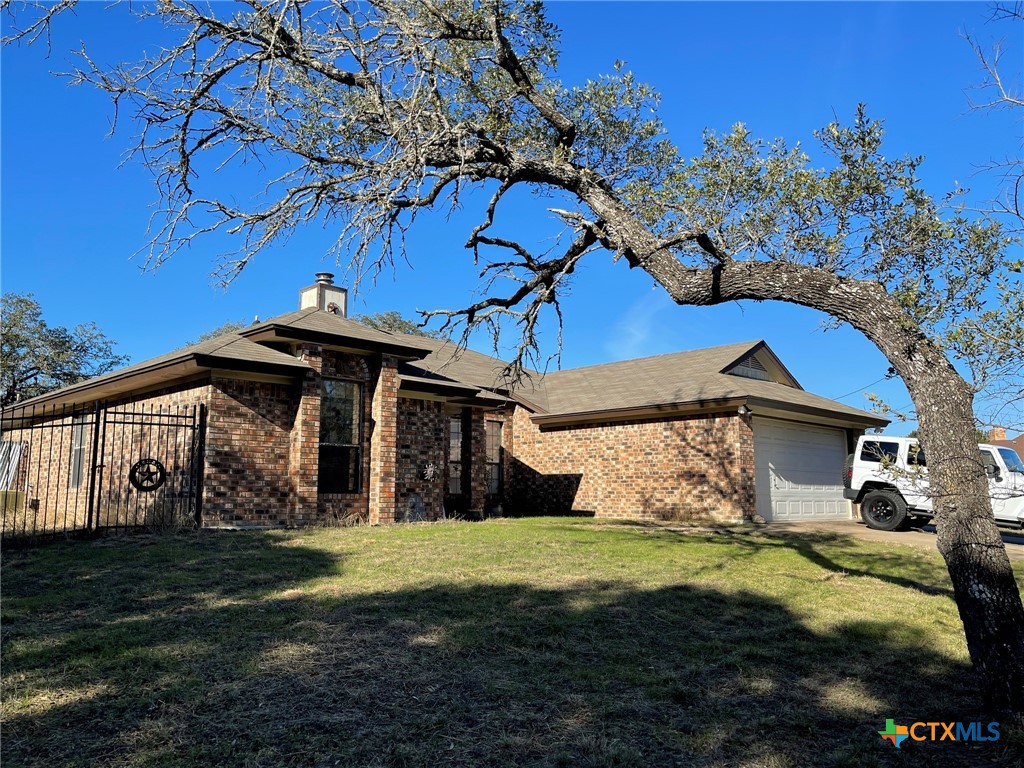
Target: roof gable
(702, 379)
(761, 364)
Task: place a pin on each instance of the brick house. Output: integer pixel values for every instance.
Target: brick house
(312, 417)
(997, 436)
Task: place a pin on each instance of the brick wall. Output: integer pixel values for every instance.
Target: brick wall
(248, 449)
(419, 471)
(384, 442)
(682, 468)
(42, 497)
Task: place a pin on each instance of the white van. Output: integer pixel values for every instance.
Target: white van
(888, 477)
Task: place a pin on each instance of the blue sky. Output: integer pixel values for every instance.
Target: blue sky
(73, 215)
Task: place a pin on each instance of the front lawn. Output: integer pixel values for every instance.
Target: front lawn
(509, 642)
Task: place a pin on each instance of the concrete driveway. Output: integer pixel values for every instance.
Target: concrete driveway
(915, 537)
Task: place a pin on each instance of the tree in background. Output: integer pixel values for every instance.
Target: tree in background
(232, 326)
(393, 322)
(36, 358)
(377, 112)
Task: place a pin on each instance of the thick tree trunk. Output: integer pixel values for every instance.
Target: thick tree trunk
(984, 587)
(983, 582)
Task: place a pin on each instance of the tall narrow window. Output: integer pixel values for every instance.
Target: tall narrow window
(340, 437)
(79, 444)
(455, 455)
(494, 452)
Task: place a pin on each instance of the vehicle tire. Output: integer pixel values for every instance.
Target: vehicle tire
(848, 471)
(883, 510)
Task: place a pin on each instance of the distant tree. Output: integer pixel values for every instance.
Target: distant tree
(392, 322)
(36, 358)
(232, 326)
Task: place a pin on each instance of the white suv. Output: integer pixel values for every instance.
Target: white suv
(888, 477)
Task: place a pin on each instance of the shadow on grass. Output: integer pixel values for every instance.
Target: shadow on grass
(834, 552)
(217, 651)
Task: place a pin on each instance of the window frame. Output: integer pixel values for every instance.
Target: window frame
(498, 463)
(79, 447)
(455, 459)
(323, 486)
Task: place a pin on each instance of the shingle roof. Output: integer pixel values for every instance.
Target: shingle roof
(672, 379)
(313, 320)
(229, 350)
(676, 378)
(450, 361)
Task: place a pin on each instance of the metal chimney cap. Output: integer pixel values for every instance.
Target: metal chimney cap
(325, 278)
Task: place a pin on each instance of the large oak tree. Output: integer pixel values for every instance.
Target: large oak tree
(372, 113)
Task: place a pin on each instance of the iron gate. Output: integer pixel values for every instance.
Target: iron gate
(67, 471)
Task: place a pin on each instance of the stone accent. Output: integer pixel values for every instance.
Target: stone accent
(420, 484)
(676, 468)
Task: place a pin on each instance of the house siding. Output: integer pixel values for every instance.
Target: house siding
(681, 468)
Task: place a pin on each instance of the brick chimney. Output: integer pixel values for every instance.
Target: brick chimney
(325, 295)
(996, 434)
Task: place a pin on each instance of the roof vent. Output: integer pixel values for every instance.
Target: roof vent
(325, 295)
(751, 368)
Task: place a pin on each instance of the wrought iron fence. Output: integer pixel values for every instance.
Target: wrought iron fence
(68, 471)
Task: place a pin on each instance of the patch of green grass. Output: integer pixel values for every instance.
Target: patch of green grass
(509, 642)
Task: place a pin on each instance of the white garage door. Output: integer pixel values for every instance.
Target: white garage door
(799, 471)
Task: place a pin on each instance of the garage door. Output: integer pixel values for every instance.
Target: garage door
(799, 471)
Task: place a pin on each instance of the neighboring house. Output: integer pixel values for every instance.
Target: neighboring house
(997, 436)
(311, 417)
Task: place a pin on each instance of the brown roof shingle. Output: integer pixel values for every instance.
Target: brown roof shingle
(694, 377)
(304, 322)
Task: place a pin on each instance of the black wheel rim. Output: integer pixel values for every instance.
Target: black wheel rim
(881, 511)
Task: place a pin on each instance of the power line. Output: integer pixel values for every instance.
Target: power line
(858, 389)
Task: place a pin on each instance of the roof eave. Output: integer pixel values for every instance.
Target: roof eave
(415, 384)
(759, 406)
(780, 408)
(166, 373)
(340, 342)
(251, 366)
(637, 412)
(91, 390)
